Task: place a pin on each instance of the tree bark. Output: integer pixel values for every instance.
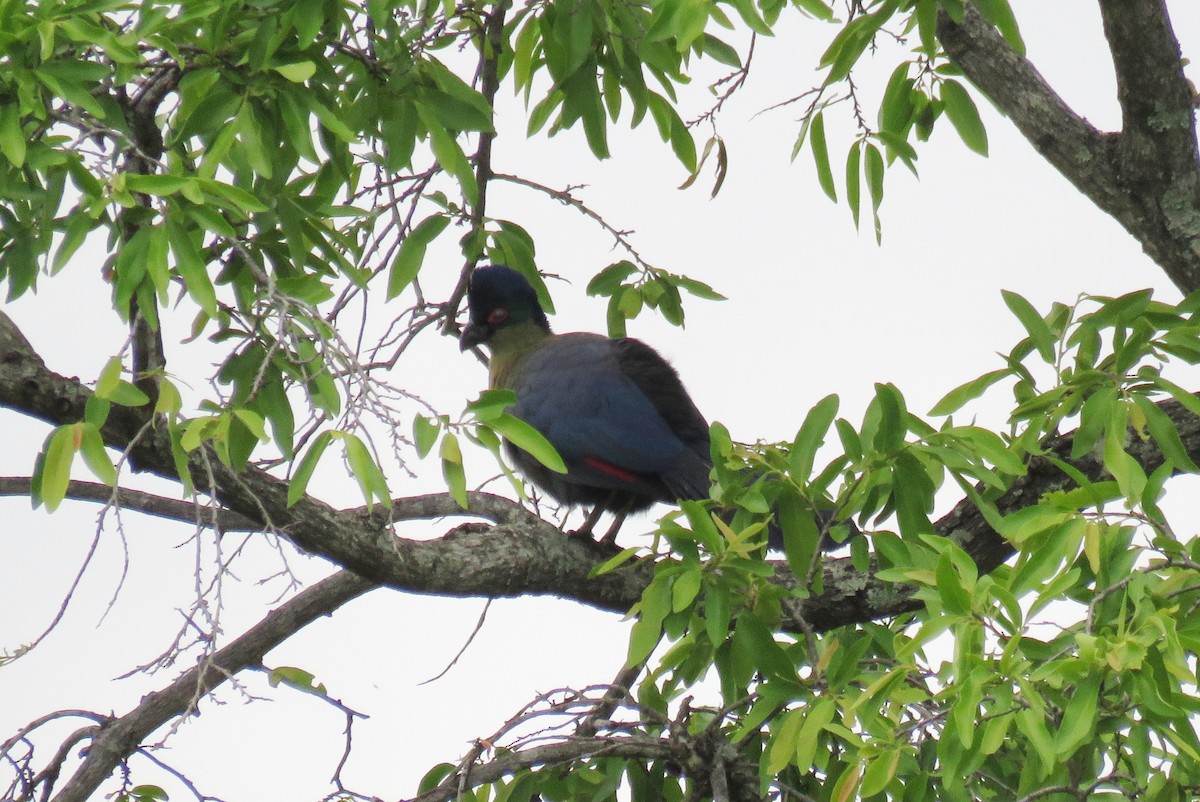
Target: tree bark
(1147, 175)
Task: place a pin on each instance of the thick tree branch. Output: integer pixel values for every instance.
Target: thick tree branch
(117, 738)
(1159, 160)
(519, 553)
(171, 509)
(1147, 176)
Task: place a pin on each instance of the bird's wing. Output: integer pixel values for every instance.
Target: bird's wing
(572, 389)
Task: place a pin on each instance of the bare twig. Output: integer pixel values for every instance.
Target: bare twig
(470, 638)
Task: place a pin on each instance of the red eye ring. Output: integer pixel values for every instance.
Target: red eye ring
(497, 316)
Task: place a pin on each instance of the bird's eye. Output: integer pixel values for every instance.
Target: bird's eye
(497, 316)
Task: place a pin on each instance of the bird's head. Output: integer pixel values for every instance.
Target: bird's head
(499, 299)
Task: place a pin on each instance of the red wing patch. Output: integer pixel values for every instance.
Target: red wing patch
(610, 469)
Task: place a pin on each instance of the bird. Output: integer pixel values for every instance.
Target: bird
(614, 409)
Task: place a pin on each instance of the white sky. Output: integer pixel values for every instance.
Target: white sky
(813, 308)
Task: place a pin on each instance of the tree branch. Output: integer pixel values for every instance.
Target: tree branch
(1146, 176)
(1159, 160)
(116, 739)
(159, 506)
(519, 553)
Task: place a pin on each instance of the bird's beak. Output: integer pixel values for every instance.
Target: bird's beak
(472, 334)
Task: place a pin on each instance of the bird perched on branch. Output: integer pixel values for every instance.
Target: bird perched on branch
(614, 409)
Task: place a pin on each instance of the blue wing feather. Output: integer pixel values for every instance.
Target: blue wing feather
(573, 391)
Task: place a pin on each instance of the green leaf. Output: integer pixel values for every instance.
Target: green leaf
(408, 260)
(232, 197)
(719, 50)
(127, 395)
(816, 8)
(425, 434)
(700, 518)
(655, 606)
(765, 653)
(12, 138)
(298, 486)
(716, 614)
(685, 589)
(332, 122)
(452, 469)
(169, 402)
(808, 739)
(296, 678)
(450, 155)
(1187, 399)
(1165, 434)
(785, 732)
(253, 149)
(820, 153)
(109, 376)
(370, 479)
(749, 14)
(843, 53)
(1124, 468)
(1039, 332)
(893, 421)
(697, 289)
(853, 177)
(1026, 522)
(913, 493)
(158, 185)
(1079, 718)
(1093, 418)
(614, 562)
(457, 105)
(434, 777)
(615, 317)
(879, 773)
(896, 108)
(529, 439)
(297, 72)
(811, 437)
(491, 404)
(252, 421)
(517, 251)
(964, 116)
(91, 447)
(192, 267)
(1032, 725)
(609, 280)
(72, 92)
(874, 170)
(954, 400)
(79, 225)
(145, 793)
(56, 467)
(955, 598)
(1000, 14)
(847, 784)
